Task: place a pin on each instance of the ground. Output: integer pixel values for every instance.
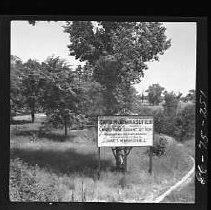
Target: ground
(53, 169)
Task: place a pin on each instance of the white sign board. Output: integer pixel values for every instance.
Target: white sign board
(123, 131)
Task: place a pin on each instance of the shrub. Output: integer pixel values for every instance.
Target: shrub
(159, 147)
(163, 123)
(180, 126)
(159, 120)
(185, 123)
(171, 103)
(26, 184)
(142, 110)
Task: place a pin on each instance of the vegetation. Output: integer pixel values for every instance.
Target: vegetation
(191, 96)
(55, 158)
(185, 123)
(15, 86)
(184, 194)
(50, 170)
(118, 52)
(154, 94)
(61, 93)
(31, 83)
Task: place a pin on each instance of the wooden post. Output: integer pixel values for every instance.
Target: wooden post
(82, 191)
(125, 164)
(150, 160)
(98, 163)
(150, 150)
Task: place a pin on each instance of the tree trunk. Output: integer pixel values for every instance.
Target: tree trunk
(120, 154)
(120, 159)
(65, 127)
(125, 164)
(32, 111)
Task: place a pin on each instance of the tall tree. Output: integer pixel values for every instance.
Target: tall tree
(191, 96)
(91, 100)
(16, 97)
(32, 77)
(61, 95)
(171, 103)
(185, 122)
(154, 94)
(118, 52)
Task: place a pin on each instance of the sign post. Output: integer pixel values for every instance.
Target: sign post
(98, 163)
(150, 160)
(127, 132)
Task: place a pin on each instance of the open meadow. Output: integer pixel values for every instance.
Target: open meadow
(51, 168)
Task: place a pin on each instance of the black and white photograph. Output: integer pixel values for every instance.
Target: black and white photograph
(102, 111)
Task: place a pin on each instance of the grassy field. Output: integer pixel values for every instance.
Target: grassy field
(184, 194)
(53, 169)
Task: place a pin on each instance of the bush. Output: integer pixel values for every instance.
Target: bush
(180, 126)
(159, 120)
(159, 147)
(163, 123)
(142, 110)
(26, 185)
(185, 123)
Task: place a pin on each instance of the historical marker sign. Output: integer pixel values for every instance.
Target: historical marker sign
(123, 131)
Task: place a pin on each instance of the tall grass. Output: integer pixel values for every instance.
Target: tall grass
(184, 195)
(51, 170)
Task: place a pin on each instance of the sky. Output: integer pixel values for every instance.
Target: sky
(175, 71)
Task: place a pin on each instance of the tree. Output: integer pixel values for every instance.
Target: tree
(118, 52)
(154, 94)
(185, 122)
(171, 103)
(191, 96)
(91, 101)
(159, 120)
(32, 79)
(16, 97)
(61, 93)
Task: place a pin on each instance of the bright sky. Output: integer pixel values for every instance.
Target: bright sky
(176, 70)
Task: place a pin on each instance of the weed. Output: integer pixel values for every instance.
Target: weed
(50, 170)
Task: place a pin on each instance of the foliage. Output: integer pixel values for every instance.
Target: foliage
(171, 103)
(144, 110)
(51, 171)
(191, 96)
(61, 94)
(91, 102)
(16, 97)
(25, 185)
(32, 81)
(159, 146)
(126, 97)
(154, 94)
(159, 121)
(117, 51)
(185, 123)
(181, 125)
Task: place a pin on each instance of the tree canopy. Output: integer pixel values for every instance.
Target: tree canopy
(154, 94)
(16, 97)
(129, 44)
(118, 52)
